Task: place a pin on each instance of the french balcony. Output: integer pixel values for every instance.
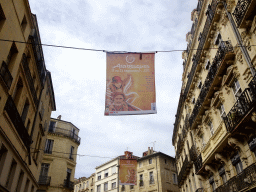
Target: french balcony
(184, 171)
(242, 181)
(241, 107)
(6, 75)
(29, 78)
(68, 133)
(243, 10)
(224, 49)
(44, 180)
(198, 163)
(69, 184)
(17, 122)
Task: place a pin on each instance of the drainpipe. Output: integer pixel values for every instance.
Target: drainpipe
(239, 40)
(118, 174)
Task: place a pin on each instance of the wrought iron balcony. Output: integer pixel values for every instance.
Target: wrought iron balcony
(44, 180)
(224, 48)
(29, 78)
(15, 117)
(240, 10)
(6, 75)
(242, 181)
(184, 170)
(242, 106)
(38, 51)
(198, 163)
(193, 153)
(67, 133)
(69, 184)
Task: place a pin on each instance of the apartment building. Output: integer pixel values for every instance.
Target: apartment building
(26, 98)
(59, 159)
(214, 131)
(85, 184)
(156, 171)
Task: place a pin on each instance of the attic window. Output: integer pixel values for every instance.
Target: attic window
(218, 39)
(199, 85)
(207, 65)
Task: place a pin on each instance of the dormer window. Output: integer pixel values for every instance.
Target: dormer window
(218, 39)
(207, 65)
(199, 85)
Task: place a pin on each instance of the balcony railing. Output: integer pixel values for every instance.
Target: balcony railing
(29, 78)
(198, 163)
(184, 170)
(243, 104)
(38, 51)
(242, 181)
(196, 60)
(15, 117)
(225, 47)
(193, 153)
(240, 10)
(44, 180)
(67, 133)
(69, 184)
(6, 75)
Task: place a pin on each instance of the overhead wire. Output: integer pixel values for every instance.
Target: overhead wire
(80, 155)
(103, 50)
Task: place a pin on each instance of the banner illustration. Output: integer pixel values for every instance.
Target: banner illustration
(130, 84)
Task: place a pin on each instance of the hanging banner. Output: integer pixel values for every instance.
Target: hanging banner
(128, 172)
(130, 87)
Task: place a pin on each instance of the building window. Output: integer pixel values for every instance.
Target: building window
(52, 127)
(210, 125)
(99, 176)
(113, 185)
(212, 183)
(87, 184)
(222, 111)
(175, 180)
(193, 101)
(131, 186)
(69, 171)
(3, 154)
(218, 39)
(140, 164)
(141, 180)
(123, 188)
(37, 146)
(150, 161)
(18, 92)
(91, 190)
(236, 161)
(151, 178)
(25, 111)
(165, 161)
(207, 65)
(44, 169)
(11, 56)
(48, 146)
(32, 188)
(105, 186)
(236, 89)
(20, 181)
(11, 173)
(106, 173)
(2, 16)
(113, 170)
(24, 23)
(27, 185)
(71, 153)
(98, 188)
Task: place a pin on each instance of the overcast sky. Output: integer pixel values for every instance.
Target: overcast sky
(79, 77)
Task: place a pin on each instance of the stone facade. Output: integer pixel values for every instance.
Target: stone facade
(214, 131)
(84, 184)
(59, 160)
(26, 98)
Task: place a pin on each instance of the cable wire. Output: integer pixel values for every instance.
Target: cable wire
(102, 50)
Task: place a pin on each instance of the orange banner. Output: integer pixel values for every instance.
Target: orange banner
(128, 172)
(130, 87)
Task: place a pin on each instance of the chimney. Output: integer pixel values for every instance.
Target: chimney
(149, 152)
(152, 151)
(59, 117)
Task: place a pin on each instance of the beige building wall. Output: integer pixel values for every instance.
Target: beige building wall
(214, 135)
(84, 184)
(25, 90)
(59, 159)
